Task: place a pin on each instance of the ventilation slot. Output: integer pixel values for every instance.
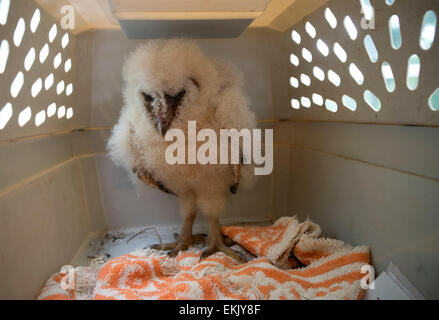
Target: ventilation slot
(317, 99)
(5, 115)
(295, 36)
(413, 71)
(44, 53)
(30, 59)
(4, 54)
(433, 101)
(51, 110)
(305, 79)
(295, 104)
(332, 20)
(35, 21)
(322, 47)
(306, 54)
(17, 84)
(293, 59)
(40, 118)
(19, 32)
(4, 11)
(389, 79)
(428, 30)
(367, 9)
(334, 78)
(331, 105)
(24, 116)
(350, 28)
(319, 73)
(371, 50)
(395, 32)
(349, 103)
(340, 52)
(356, 74)
(309, 28)
(294, 82)
(306, 103)
(372, 100)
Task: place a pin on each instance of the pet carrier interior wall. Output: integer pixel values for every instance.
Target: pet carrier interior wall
(351, 89)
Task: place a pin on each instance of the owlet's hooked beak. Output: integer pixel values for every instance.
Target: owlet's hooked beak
(163, 111)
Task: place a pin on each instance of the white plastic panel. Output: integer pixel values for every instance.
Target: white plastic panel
(33, 49)
(387, 65)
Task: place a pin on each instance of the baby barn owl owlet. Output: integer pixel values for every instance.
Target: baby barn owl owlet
(167, 84)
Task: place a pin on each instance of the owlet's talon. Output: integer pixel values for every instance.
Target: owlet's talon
(230, 252)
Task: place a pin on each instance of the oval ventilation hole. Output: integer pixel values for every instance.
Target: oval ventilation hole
(4, 11)
(69, 89)
(57, 60)
(322, 47)
(390, 2)
(371, 49)
(61, 112)
(24, 116)
(331, 105)
(19, 32)
(306, 54)
(319, 73)
(295, 36)
(395, 32)
(317, 99)
(68, 65)
(330, 17)
(367, 9)
(44, 53)
(35, 21)
(306, 103)
(356, 74)
(309, 28)
(30, 59)
(350, 28)
(349, 103)
(51, 110)
(428, 30)
(5, 115)
(52, 33)
(4, 54)
(433, 101)
(295, 104)
(389, 79)
(36, 87)
(334, 78)
(17, 84)
(340, 52)
(69, 113)
(60, 87)
(294, 82)
(413, 71)
(65, 40)
(293, 59)
(48, 82)
(305, 79)
(372, 100)
(40, 118)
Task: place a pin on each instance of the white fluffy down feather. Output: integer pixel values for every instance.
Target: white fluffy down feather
(167, 84)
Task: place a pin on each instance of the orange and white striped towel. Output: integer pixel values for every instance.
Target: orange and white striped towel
(332, 270)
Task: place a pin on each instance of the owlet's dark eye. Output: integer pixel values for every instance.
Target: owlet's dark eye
(148, 99)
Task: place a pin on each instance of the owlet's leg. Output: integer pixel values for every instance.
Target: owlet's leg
(185, 239)
(213, 207)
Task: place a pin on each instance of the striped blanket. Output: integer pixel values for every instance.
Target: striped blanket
(328, 269)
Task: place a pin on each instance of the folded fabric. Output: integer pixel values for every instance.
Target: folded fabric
(332, 270)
